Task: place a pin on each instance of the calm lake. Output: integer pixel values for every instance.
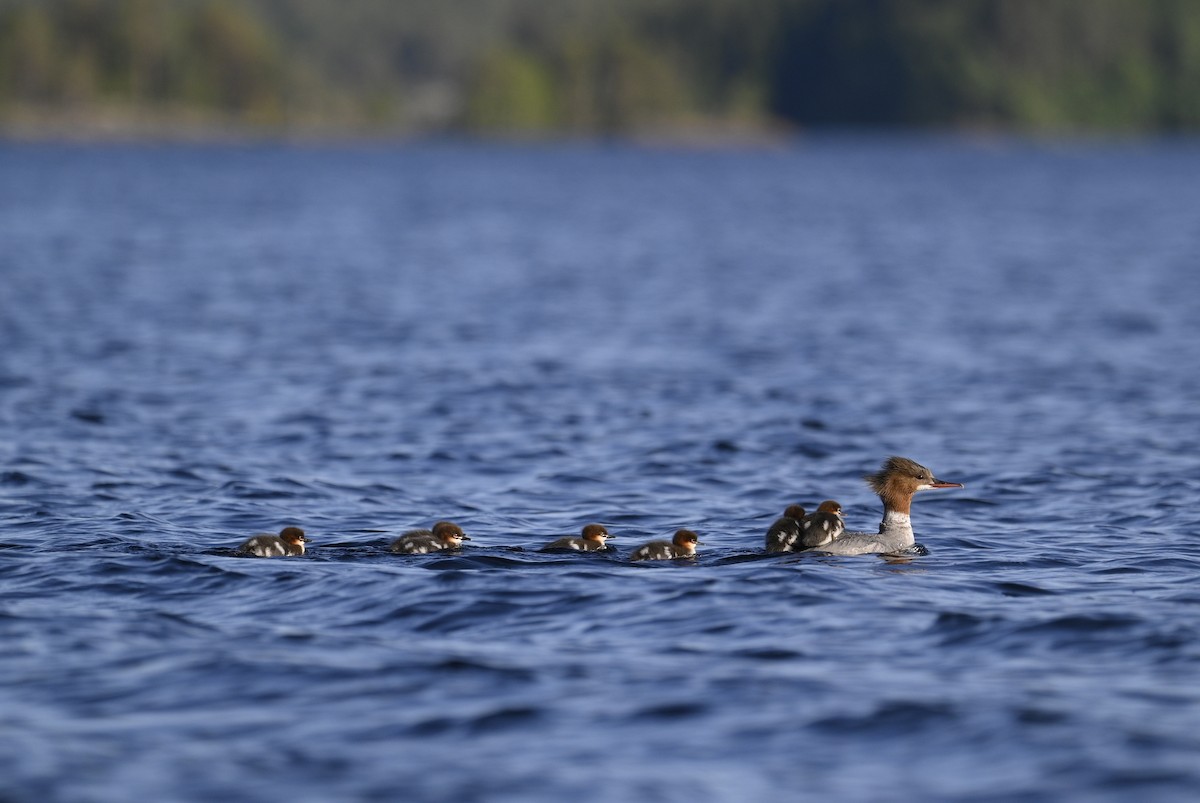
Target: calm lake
(200, 343)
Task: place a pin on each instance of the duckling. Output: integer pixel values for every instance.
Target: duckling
(683, 545)
(592, 538)
(289, 542)
(822, 526)
(784, 533)
(444, 535)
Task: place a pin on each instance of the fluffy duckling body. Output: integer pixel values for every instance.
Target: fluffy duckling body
(444, 535)
(785, 532)
(591, 539)
(289, 543)
(683, 545)
(822, 526)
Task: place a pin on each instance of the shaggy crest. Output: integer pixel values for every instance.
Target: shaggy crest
(897, 466)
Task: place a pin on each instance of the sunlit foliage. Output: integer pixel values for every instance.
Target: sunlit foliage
(528, 67)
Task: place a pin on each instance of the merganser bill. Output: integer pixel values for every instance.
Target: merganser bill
(444, 535)
(785, 532)
(683, 545)
(591, 539)
(895, 482)
(822, 526)
(290, 542)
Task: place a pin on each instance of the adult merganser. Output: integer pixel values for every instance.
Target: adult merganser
(785, 532)
(683, 545)
(444, 535)
(823, 526)
(289, 542)
(895, 482)
(591, 539)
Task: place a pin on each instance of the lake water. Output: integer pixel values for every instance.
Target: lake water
(201, 343)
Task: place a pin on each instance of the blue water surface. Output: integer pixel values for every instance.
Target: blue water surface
(201, 343)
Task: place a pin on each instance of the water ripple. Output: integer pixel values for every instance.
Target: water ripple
(204, 343)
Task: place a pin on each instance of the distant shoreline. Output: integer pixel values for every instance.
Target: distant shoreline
(70, 127)
(676, 72)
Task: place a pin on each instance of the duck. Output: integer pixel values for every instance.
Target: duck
(897, 480)
(783, 534)
(821, 526)
(591, 539)
(444, 535)
(289, 543)
(682, 545)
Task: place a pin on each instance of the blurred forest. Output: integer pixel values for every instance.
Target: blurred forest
(597, 67)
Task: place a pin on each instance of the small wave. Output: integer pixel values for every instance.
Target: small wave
(504, 719)
(245, 490)
(899, 717)
(671, 711)
(1012, 589)
(956, 627)
(489, 721)
(1082, 623)
(769, 654)
(18, 478)
(460, 664)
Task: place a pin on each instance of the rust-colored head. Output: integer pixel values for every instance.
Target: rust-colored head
(449, 533)
(899, 479)
(829, 506)
(292, 535)
(686, 539)
(597, 533)
(795, 512)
